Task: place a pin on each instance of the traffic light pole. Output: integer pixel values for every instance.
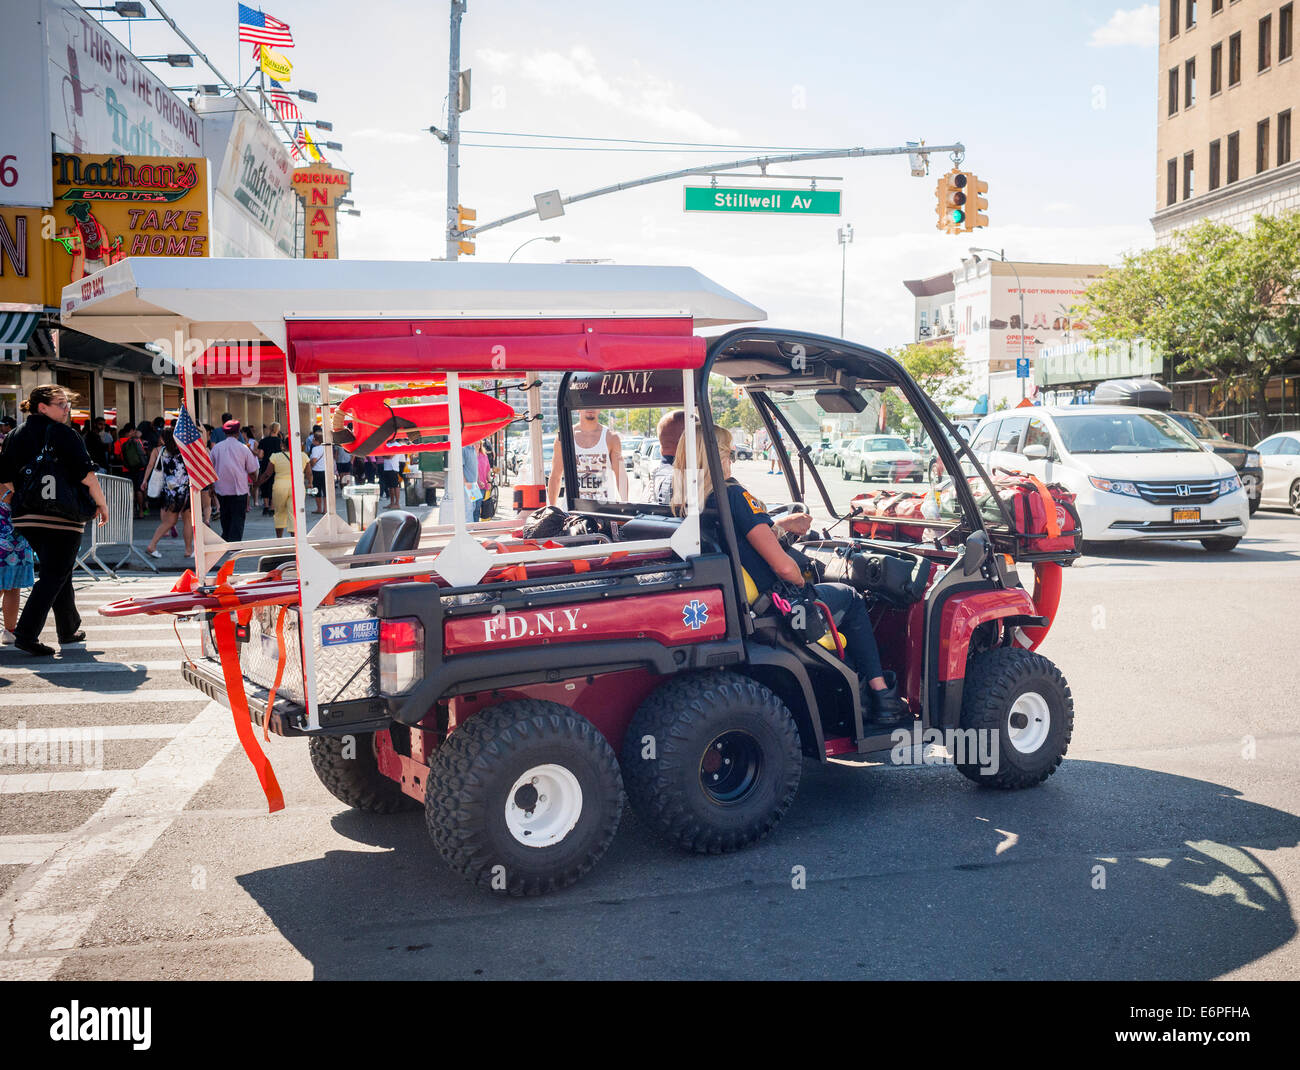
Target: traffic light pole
(754, 161)
(453, 131)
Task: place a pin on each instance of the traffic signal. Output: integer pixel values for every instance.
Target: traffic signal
(976, 203)
(465, 216)
(951, 192)
(941, 191)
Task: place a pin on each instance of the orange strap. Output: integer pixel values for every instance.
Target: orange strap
(1049, 504)
(223, 625)
(279, 672)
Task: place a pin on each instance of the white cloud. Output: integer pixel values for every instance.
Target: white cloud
(639, 95)
(389, 137)
(1141, 26)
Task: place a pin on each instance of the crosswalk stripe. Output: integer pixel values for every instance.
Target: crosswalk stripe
(109, 629)
(57, 668)
(106, 731)
(88, 698)
(20, 851)
(66, 780)
(159, 643)
(49, 914)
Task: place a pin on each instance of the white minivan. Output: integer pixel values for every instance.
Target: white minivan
(1135, 472)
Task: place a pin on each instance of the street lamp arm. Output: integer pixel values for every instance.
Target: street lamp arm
(753, 161)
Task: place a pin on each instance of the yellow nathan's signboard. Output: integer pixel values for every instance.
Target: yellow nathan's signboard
(321, 187)
(22, 261)
(107, 208)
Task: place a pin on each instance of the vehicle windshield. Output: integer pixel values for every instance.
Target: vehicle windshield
(1196, 424)
(1124, 432)
(885, 444)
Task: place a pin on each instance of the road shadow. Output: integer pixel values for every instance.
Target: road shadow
(87, 661)
(1106, 871)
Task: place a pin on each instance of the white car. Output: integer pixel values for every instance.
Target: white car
(881, 458)
(1279, 456)
(1135, 472)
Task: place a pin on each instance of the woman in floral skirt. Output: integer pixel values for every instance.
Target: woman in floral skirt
(16, 572)
(175, 495)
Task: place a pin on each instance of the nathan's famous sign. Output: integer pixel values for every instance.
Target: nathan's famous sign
(320, 188)
(110, 207)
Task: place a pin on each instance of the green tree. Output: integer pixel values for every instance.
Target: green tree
(938, 370)
(1220, 302)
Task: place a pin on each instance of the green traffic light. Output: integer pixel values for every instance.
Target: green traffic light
(958, 216)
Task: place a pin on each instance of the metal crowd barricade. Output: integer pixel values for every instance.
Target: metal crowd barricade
(119, 496)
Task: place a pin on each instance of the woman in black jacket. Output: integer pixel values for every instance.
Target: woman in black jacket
(55, 540)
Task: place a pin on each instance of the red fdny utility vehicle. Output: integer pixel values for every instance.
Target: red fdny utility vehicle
(521, 689)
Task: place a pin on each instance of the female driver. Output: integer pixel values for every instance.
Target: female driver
(766, 561)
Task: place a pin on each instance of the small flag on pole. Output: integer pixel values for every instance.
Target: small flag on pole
(263, 29)
(190, 440)
(283, 103)
(275, 64)
(308, 145)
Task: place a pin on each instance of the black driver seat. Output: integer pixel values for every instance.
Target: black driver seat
(395, 531)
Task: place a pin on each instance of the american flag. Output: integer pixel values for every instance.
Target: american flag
(263, 29)
(283, 103)
(190, 440)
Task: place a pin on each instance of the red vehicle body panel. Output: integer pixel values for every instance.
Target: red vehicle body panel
(672, 619)
(412, 347)
(962, 614)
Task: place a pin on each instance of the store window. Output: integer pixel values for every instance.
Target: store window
(9, 398)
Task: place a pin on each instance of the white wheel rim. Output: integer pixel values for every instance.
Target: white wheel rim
(543, 806)
(1029, 722)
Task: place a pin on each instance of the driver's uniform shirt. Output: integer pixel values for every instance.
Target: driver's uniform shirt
(747, 513)
(594, 474)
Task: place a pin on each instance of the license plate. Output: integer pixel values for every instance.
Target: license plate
(1187, 516)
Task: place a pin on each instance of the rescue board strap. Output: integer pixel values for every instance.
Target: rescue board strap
(223, 626)
(279, 672)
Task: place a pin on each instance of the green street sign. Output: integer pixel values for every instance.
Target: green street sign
(763, 201)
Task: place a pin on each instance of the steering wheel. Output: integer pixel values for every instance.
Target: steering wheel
(787, 538)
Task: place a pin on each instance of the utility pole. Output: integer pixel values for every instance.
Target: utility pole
(845, 234)
(453, 131)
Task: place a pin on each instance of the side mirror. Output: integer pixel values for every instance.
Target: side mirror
(977, 551)
(1036, 452)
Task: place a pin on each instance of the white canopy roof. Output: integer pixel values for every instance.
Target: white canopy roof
(140, 299)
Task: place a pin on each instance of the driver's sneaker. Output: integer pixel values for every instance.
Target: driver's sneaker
(885, 709)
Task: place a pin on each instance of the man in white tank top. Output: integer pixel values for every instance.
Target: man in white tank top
(599, 457)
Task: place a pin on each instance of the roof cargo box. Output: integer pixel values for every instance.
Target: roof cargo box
(1144, 393)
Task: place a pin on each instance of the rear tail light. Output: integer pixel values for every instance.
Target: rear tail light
(401, 654)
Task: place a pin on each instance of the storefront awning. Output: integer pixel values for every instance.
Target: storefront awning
(15, 330)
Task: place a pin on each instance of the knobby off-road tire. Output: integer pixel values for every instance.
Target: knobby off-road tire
(520, 774)
(712, 761)
(356, 780)
(1024, 699)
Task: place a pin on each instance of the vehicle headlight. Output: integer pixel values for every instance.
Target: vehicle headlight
(1227, 486)
(1252, 460)
(1114, 486)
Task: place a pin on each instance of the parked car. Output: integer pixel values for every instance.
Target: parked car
(1135, 472)
(650, 458)
(882, 457)
(1244, 459)
(631, 446)
(1280, 462)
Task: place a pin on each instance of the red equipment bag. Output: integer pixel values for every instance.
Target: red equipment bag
(889, 503)
(1043, 514)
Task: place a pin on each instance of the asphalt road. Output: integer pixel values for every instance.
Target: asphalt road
(1165, 847)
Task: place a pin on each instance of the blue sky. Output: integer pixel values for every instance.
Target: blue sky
(1054, 101)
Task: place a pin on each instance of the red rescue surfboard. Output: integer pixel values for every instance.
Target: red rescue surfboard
(385, 422)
